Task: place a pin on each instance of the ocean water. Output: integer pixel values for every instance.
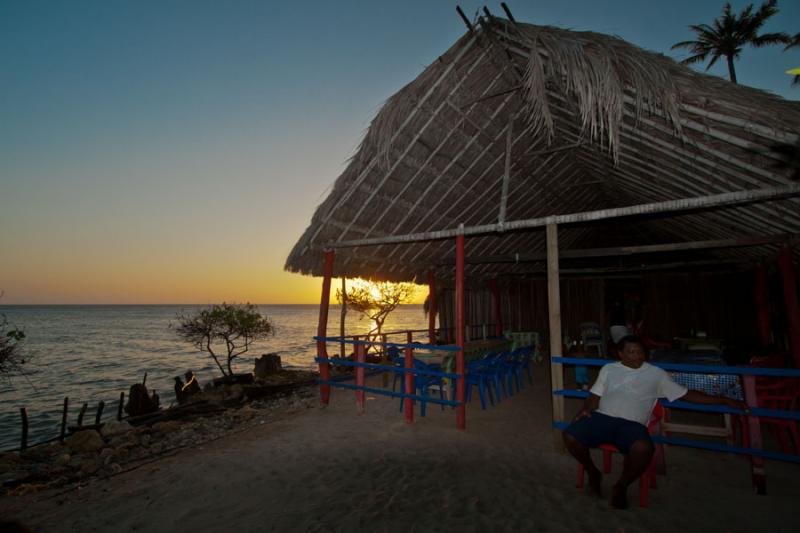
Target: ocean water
(93, 352)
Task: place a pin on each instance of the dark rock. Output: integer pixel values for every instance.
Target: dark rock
(269, 363)
(84, 441)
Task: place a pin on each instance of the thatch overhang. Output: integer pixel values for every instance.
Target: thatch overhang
(583, 122)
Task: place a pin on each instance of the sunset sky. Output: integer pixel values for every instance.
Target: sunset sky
(173, 152)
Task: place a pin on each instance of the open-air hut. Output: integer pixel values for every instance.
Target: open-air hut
(579, 165)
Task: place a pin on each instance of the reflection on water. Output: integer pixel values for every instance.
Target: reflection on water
(92, 353)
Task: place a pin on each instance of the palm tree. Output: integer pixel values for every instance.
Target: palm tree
(730, 33)
(795, 41)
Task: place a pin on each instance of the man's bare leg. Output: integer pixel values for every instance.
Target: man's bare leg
(636, 462)
(581, 453)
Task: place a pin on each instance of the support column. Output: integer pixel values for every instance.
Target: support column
(498, 311)
(461, 414)
(431, 307)
(554, 307)
(408, 384)
(322, 328)
(786, 266)
(361, 357)
(762, 306)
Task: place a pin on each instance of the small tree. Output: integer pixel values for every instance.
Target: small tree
(376, 300)
(11, 359)
(228, 328)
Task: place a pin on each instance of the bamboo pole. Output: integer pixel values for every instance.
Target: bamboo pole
(669, 206)
(322, 326)
(554, 305)
(501, 218)
(617, 251)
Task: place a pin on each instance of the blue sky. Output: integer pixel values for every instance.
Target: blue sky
(166, 151)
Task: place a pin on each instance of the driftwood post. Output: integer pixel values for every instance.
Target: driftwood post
(23, 445)
(64, 419)
(99, 414)
(82, 412)
(554, 304)
(120, 406)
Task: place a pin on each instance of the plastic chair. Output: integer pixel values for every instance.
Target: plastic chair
(648, 478)
(499, 370)
(782, 394)
(592, 335)
(423, 382)
(521, 365)
(476, 376)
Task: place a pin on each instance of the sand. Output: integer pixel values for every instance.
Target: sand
(330, 469)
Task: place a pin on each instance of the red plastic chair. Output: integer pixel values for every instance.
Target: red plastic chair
(648, 479)
(783, 394)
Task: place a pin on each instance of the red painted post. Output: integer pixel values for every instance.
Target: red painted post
(786, 266)
(409, 388)
(762, 307)
(461, 411)
(322, 328)
(753, 427)
(431, 307)
(361, 357)
(498, 311)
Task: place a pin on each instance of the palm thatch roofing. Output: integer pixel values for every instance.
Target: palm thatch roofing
(582, 121)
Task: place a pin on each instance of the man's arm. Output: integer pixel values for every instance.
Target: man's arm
(701, 397)
(591, 403)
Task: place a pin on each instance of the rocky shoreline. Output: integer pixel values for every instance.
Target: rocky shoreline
(119, 446)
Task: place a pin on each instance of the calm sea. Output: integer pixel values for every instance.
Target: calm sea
(93, 352)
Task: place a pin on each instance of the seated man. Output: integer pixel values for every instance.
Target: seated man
(617, 412)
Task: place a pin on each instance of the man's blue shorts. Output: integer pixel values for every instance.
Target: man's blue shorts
(592, 431)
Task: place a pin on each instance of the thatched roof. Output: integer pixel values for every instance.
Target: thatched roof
(595, 123)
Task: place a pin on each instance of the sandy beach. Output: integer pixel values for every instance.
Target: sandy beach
(329, 469)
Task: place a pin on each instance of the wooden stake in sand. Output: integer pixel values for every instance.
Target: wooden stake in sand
(64, 419)
(23, 445)
(99, 414)
(81, 413)
(121, 404)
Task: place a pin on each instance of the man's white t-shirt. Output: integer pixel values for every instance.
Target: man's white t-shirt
(631, 393)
